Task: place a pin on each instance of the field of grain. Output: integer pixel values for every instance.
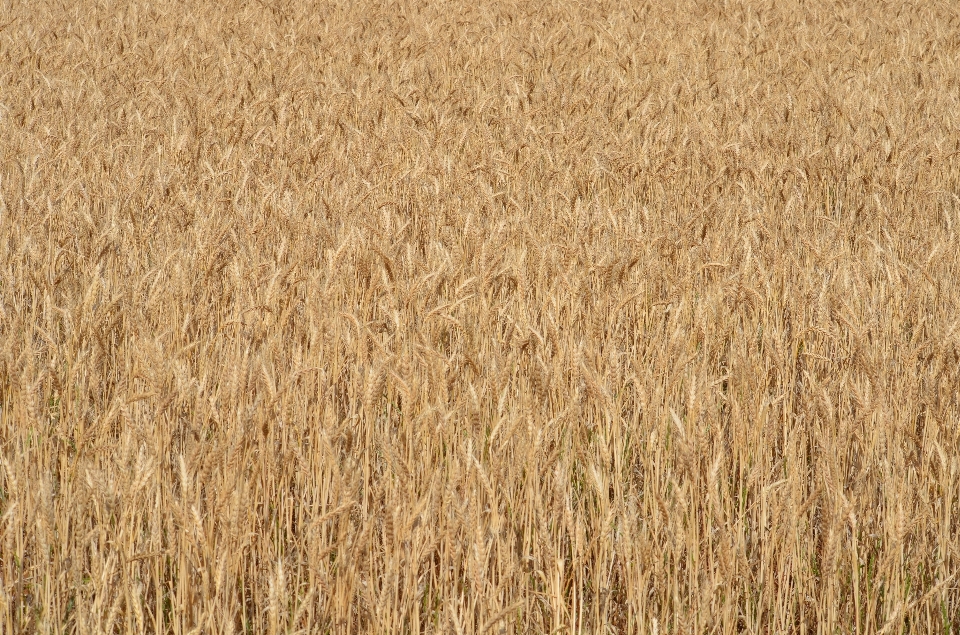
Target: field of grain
(479, 317)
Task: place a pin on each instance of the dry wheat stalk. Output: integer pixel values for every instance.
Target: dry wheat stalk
(489, 317)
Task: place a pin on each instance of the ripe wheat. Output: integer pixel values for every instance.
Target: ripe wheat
(479, 317)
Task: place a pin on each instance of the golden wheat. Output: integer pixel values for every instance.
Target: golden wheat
(479, 317)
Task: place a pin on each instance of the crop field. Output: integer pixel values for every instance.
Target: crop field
(479, 317)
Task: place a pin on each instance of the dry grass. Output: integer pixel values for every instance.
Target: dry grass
(479, 317)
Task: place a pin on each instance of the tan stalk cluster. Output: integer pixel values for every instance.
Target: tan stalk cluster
(479, 317)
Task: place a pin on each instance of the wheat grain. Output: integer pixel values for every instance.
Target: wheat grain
(479, 317)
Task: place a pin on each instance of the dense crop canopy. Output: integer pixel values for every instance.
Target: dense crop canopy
(479, 317)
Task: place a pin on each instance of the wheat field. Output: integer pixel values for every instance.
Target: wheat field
(479, 317)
